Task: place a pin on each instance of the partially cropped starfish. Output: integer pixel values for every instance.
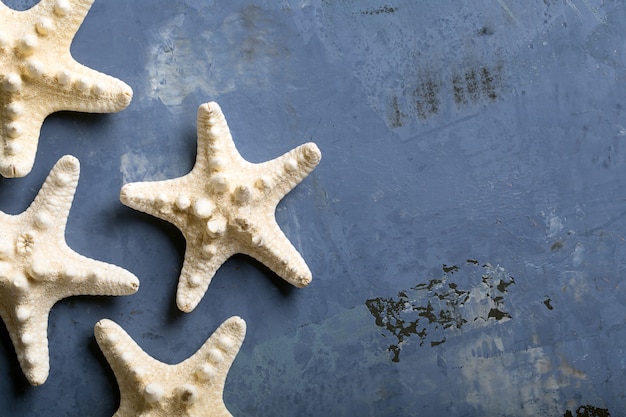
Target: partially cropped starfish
(37, 269)
(226, 205)
(150, 388)
(38, 76)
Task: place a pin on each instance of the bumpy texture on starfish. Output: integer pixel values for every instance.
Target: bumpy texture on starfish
(37, 269)
(150, 388)
(226, 205)
(38, 76)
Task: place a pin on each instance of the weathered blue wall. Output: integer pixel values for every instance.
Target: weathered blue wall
(465, 228)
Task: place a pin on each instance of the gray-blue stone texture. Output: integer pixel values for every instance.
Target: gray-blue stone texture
(465, 229)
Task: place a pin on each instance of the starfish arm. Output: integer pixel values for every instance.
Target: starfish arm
(276, 252)
(76, 87)
(27, 324)
(67, 273)
(67, 15)
(18, 141)
(192, 387)
(213, 360)
(38, 76)
(22, 118)
(158, 198)
(130, 364)
(200, 265)
(227, 340)
(214, 138)
(282, 174)
(51, 206)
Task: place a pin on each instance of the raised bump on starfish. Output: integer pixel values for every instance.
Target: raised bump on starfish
(151, 388)
(226, 205)
(37, 269)
(38, 76)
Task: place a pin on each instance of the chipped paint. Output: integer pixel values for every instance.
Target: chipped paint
(434, 310)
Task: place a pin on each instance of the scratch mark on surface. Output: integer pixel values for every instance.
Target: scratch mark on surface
(571, 4)
(442, 127)
(508, 11)
(593, 11)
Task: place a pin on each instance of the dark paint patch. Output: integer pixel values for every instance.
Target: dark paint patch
(477, 84)
(458, 89)
(396, 116)
(430, 310)
(474, 85)
(588, 411)
(427, 99)
(548, 303)
(558, 245)
(152, 336)
(380, 10)
(485, 31)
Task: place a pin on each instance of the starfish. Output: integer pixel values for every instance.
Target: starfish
(38, 76)
(150, 388)
(37, 269)
(226, 205)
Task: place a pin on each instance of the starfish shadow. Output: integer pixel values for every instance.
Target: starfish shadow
(20, 384)
(130, 219)
(191, 145)
(82, 302)
(284, 287)
(15, 197)
(95, 352)
(69, 118)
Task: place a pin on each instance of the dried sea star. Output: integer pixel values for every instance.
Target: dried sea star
(226, 205)
(151, 388)
(37, 269)
(38, 76)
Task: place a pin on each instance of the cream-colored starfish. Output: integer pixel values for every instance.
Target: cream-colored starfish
(150, 388)
(37, 269)
(38, 76)
(226, 205)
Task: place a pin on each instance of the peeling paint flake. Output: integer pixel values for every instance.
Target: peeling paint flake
(434, 309)
(588, 411)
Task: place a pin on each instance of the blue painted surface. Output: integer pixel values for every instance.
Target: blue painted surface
(470, 199)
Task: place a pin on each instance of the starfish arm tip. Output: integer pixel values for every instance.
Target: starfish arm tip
(192, 285)
(131, 286)
(207, 109)
(237, 324)
(65, 173)
(114, 280)
(124, 97)
(101, 327)
(186, 302)
(302, 281)
(128, 194)
(107, 95)
(228, 337)
(312, 153)
(37, 377)
(211, 121)
(110, 336)
(69, 163)
(35, 364)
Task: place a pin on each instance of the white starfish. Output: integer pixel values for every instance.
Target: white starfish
(38, 76)
(150, 388)
(226, 205)
(37, 269)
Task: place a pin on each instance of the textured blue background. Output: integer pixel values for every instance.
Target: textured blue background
(465, 228)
